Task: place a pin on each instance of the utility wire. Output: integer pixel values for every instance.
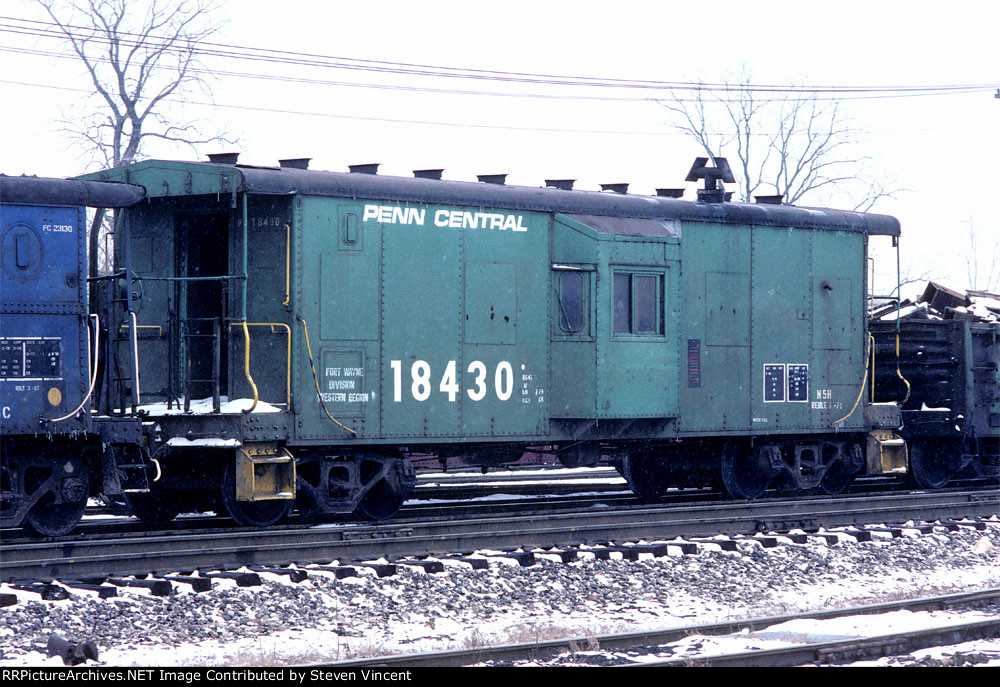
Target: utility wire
(396, 120)
(259, 54)
(501, 94)
(392, 120)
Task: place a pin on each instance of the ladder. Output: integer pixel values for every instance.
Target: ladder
(195, 330)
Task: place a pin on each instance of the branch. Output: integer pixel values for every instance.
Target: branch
(147, 55)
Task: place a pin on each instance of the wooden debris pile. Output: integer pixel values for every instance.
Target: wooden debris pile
(938, 302)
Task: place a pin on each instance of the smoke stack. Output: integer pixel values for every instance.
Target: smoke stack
(670, 192)
(223, 158)
(499, 179)
(564, 184)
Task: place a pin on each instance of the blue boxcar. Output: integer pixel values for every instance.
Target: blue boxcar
(47, 355)
(44, 359)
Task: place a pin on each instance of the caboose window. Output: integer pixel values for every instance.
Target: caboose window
(646, 301)
(623, 303)
(638, 303)
(571, 301)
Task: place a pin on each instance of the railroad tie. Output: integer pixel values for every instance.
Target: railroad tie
(242, 579)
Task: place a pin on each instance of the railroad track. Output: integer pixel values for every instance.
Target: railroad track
(184, 551)
(434, 508)
(450, 495)
(824, 652)
(436, 494)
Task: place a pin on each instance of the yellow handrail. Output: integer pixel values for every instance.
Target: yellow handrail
(872, 389)
(288, 355)
(869, 354)
(899, 372)
(288, 265)
(319, 393)
(246, 366)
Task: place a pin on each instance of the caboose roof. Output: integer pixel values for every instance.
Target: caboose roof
(167, 179)
(25, 190)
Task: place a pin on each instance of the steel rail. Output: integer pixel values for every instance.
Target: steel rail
(555, 475)
(827, 651)
(422, 507)
(846, 650)
(126, 525)
(470, 491)
(161, 553)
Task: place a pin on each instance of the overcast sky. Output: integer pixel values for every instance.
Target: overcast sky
(941, 150)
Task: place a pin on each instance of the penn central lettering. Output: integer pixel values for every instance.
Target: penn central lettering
(453, 219)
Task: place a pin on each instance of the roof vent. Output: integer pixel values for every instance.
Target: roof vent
(617, 188)
(564, 184)
(223, 158)
(428, 173)
(500, 179)
(370, 168)
(769, 200)
(295, 163)
(713, 191)
(670, 192)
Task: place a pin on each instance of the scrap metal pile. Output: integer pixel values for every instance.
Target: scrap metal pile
(938, 302)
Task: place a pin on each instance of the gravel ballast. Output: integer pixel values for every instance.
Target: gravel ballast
(324, 618)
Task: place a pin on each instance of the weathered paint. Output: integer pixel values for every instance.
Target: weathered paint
(433, 313)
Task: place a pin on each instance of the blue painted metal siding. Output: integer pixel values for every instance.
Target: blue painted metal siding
(43, 340)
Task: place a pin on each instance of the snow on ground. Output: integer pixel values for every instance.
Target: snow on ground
(798, 632)
(325, 619)
(205, 405)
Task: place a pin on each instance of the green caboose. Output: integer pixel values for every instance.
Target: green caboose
(298, 334)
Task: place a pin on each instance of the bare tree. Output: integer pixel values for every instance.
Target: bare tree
(138, 55)
(982, 261)
(794, 144)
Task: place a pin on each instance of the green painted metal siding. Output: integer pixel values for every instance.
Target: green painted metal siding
(600, 373)
(573, 391)
(153, 255)
(267, 219)
(336, 292)
(715, 328)
(430, 319)
(637, 372)
(422, 304)
(780, 328)
(431, 323)
(838, 288)
(776, 317)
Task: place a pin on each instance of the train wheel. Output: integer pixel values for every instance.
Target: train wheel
(54, 520)
(931, 462)
(987, 465)
(837, 478)
(988, 471)
(586, 454)
(645, 477)
(745, 470)
(381, 502)
(249, 513)
(63, 479)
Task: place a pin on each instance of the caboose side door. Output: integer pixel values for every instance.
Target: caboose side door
(203, 302)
